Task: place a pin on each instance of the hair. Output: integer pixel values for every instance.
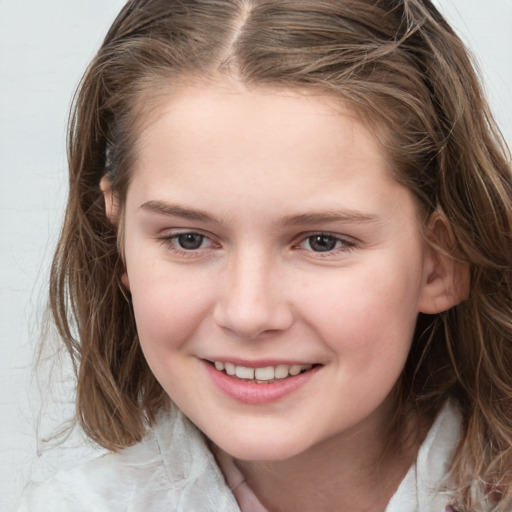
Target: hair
(400, 66)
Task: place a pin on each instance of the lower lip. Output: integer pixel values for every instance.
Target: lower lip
(252, 393)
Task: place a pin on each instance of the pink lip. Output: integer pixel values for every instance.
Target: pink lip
(252, 393)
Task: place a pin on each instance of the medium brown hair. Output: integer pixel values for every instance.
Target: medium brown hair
(401, 67)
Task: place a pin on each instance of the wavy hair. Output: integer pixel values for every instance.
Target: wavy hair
(401, 67)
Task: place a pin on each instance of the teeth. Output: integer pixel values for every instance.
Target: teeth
(244, 373)
(264, 374)
(295, 369)
(281, 371)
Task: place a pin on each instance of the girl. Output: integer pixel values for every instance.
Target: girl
(284, 276)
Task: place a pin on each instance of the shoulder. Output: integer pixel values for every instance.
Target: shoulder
(425, 487)
(104, 483)
(170, 469)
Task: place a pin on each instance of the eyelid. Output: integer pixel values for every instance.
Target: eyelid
(169, 233)
(169, 240)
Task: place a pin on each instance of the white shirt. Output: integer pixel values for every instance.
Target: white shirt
(173, 470)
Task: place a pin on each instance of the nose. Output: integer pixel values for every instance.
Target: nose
(252, 299)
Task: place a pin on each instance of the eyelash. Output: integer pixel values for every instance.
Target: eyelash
(171, 242)
(341, 244)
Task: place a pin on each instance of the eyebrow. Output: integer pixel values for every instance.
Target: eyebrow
(175, 210)
(329, 216)
(320, 217)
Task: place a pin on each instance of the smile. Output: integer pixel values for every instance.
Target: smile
(263, 375)
(262, 384)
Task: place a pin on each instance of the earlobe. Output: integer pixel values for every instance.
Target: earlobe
(111, 209)
(446, 288)
(125, 280)
(446, 279)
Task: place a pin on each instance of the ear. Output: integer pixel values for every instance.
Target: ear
(446, 279)
(111, 212)
(111, 206)
(124, 280)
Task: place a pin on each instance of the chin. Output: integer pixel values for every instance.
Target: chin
(270, 450)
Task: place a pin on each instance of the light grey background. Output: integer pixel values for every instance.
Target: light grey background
(44, 48)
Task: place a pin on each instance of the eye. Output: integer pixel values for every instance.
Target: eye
(325, 242)
(187, 243)
(190, 241)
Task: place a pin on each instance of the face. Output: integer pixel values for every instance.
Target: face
(276, 268)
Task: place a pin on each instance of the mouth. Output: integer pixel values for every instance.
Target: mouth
(264, 374)
(259, 384)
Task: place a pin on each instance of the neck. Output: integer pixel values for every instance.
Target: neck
(353, 471)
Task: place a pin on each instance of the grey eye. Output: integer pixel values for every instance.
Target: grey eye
(190, 241)
(322, 242)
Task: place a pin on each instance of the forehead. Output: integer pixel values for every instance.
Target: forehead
(279, 153)
(230, 120)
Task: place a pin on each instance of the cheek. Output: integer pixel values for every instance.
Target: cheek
(368, 314)
(168, 307)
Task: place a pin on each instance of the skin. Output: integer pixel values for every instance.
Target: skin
(256, 175)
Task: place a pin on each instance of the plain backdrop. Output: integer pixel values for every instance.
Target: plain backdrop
(44, 49)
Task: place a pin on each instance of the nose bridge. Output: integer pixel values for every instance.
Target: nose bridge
(252, 301)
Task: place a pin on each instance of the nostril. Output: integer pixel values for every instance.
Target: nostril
(251, 319)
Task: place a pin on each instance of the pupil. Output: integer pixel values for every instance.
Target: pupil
(190, 241)
(322, 243)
